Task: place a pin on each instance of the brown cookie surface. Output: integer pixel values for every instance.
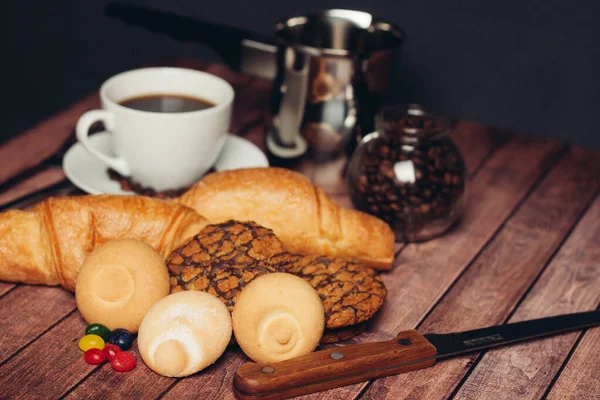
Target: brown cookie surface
(341, 334)
(223, 258)
(351, 292)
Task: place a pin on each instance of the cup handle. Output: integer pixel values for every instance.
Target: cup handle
(82, 130)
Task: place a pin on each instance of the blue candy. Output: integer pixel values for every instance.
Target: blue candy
(122, 338)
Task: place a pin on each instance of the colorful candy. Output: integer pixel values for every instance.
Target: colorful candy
(91, 342)
(96, 351)
(123, 361)
(110, 350)
(94, 356)
(98, 329)
(122, 338)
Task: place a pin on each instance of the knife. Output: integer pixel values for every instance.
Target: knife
(243, 50)
(409, 351)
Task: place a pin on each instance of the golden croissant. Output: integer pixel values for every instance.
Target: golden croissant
(47, 244)
(302, 216)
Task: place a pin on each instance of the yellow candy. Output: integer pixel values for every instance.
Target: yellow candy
(91, 342)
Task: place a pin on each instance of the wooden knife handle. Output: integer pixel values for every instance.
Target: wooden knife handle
(339, 366)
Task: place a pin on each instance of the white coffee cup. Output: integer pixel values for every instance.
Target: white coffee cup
(157, 149)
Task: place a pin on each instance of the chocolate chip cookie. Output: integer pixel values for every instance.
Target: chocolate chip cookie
(223, 258)
(351, 292)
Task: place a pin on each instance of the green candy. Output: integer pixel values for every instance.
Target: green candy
(98, 329)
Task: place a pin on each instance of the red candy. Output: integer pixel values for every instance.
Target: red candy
(123, 361)
(93, 356)
(110, 350)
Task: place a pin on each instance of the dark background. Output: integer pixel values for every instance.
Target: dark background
(532, 66)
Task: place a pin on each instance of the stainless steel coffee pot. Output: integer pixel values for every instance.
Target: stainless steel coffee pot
(329, 70)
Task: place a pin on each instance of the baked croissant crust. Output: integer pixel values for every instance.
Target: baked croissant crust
(302, 216)
(47, 244)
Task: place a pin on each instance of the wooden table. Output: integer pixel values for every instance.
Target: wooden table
(527, 247)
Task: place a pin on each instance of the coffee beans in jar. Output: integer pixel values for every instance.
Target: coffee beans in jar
(409, 173)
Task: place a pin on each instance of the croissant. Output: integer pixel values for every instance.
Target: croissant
(48, 244)
(302, 216)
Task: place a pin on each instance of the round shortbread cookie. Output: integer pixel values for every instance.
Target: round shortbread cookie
(277, 317)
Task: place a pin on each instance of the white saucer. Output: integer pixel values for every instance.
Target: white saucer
(90, 174)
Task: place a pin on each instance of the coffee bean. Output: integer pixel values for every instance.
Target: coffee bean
(419, 209)
(127, 184)
(415, 200)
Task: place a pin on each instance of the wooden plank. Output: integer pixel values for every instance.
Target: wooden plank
(569, 284)
(6, 287)
(419, 278)
(65, 188)
(329, 176)
(216, 383)
(140, 383)
(27, 311)
(579, 379)
(45, 177)
(48, 367)
(493, 285)
(424, 271)
(42, 141)
(476, 142)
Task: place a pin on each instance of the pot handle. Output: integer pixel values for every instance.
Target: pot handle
(241, 49)
(259, 59)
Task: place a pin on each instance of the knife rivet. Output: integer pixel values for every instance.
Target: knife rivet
(267, 370)
(404, 342)
(336, 355)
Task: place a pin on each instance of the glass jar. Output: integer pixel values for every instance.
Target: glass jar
(409, 173)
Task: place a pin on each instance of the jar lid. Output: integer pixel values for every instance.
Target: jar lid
(411, 121)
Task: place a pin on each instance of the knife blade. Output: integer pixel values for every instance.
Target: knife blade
(243, 50)
(409, 351)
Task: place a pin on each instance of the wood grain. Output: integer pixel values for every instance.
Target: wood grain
(29, 310)
(6, 287)
(493, 285)
(215, 383)
(569, 284)
(329, 176)
(423, 272)
(45, 177)
(48, 367)
(476, 142)
(580, 380)
(42, 141)
(39, 357)
(139, 383)
(319, 371)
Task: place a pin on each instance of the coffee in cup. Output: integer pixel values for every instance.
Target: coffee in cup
(168, 125)
(166, 103)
